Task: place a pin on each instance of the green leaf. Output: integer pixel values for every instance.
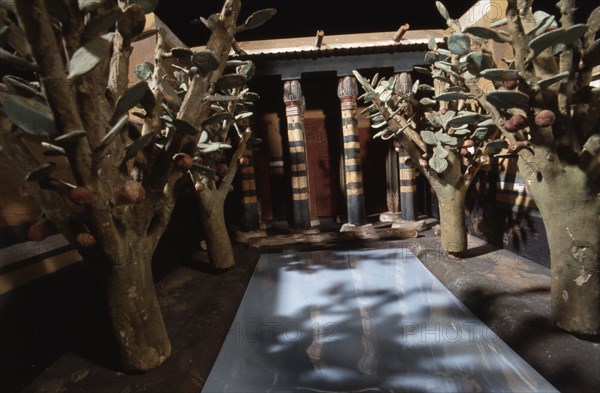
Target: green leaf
(442, 10)
(487, 33)
(22, 87)
(464, 118)
(87, 57)
(544, 21)
(481, 133)
(230, 81)
(440, 152)
(422, 70)
(497, 144)
(555, 37)
(498, 74)
(112, 133)
(53, 150)
(429, 137)
(203, 170)
(28, 114)
(203, 137)
(446, 139)
(184, 127)
(218, 118)
(452, 96)
(170, 94)
(432, 44)
(259, 18)
(546, 83)
(594, 23)
(487, 123)
(438, 164)
(148, 5)
(41, 172)
(90, 5)
(144, 70)
(102, 23)
(459, 44)
(477, 62)
(505, 99)
(443, 65)
(462, 132)
(16, 61)
(499, 22)
(69, 138)
(134, 148)
(427, 101)
(247, 70)
(205, 60)
(131, 97)
(250, 96)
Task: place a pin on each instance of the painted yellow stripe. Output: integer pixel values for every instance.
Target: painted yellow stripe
(407, 174)
(248, 185)
(355, 192)
(297, 149)
(298, 167)
(300, 197)
(353, 177)
(352, 145)
(408, 189)
(352, 161)
(249, 200)
(17, 278)
(299, 182)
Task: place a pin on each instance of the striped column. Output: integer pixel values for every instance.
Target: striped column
(392, 180)
(250, 218)
(294, 111)
(347, 92)
(408, 187)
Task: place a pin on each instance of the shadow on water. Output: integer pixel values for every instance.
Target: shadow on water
(366, 320)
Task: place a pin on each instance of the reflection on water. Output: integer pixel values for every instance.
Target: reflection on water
(360, 320)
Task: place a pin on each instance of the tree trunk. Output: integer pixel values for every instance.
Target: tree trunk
(451, 202)
(218, 243)
(133, 307)
(571, 213)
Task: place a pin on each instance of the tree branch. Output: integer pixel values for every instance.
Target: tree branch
(40, 35)
(233, 165)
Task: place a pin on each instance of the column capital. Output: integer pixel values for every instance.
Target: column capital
(347, 89)
(403, 83)
(292, 93)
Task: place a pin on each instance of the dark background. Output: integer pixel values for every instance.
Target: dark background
(302, 18)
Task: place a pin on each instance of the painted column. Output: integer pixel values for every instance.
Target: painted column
(408, 187)
(347, 92)
(294, 111)
(250, 218)
(391, 180)
(408, 174)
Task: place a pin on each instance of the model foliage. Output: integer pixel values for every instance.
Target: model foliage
(128, 145)
(548, 115)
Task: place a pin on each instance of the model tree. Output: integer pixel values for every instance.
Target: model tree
(127, 177)
(548, 114)
(448, 138)
(545, 102)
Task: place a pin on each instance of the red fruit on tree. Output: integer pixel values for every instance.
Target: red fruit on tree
(80, 195)
(545, 118)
